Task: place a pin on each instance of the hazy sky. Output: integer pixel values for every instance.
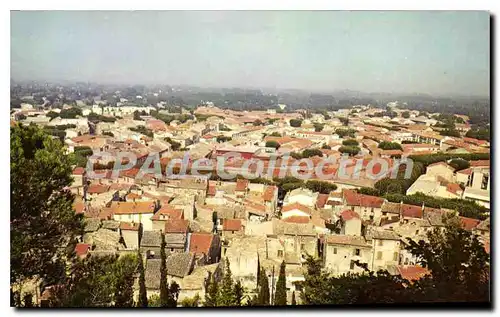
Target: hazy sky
(425, 52)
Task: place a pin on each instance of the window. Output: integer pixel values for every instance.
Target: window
(357, 252)
(379, 255)
(371, 217)
(172, 249)
(280, 253)
(334, 250)
(351, 266)
(129, 217)
(380, 243)
(406, 261)
(384, 214)
(302, 246)
(372, 210)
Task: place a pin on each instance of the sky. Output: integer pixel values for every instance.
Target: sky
(443, 52)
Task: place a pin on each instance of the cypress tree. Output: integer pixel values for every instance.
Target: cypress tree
(164, 296)
(212, 293)
(280, 296)
(173, 294)
(143, 297)
(263, 297)
(294, 302)
(238, 293)
(226, 297)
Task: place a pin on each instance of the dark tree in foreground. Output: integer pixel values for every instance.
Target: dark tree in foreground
(163, 274)
(143, 296)
(263, 296)
(43, 222)
(280, 296)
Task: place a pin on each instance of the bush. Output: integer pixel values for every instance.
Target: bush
(311, 152)
(345, 132)
(296, 123)
(272, 144)
(384, 145)
(350, 142)
(351, 150)
(320, 186)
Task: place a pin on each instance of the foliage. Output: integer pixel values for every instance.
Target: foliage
(294, 301)
(153, 301)
(164, 294)
(351, 150)
(326, 147)
(223, 138)
(108, 133)
(238, 293)
(211, 292)
(42, 219)
(258, 122)
(441, 157)
(405, 114)
(70, 113)
(263, 296)
(191, 302)
(344, 120)
(311, 152)
(94, 117)
(143, 297)
(275, 134)
(350, 142)
(226, 293)
(345, 132)
(174, 144)
(459, 164)
(320, 186)
(124, 269)
(384, 145)
(138, 114)
(296, 123)
(450, 132)
(280, 295)
(273, 144)
(479, 133)
(143, 130)
(318, 127)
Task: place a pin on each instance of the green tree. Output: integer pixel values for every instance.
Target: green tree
(326, 147)
(405, 114)
(275, 134)
(211, 292)
(43, 223)
(318, 127)
(311, 152)
(280, 295)
(226, 293)
(273, 144)
(320, 186)
(345, 132)
(238, 293)
(350, 142)
(296, 123)
(344, 120)
(143, 297)
(164, 290)
(384, 145)
(294, 301)
(351, 150)
(257, 122)
(459, 164)
(263, 296)
(191, 302)
(124, 270)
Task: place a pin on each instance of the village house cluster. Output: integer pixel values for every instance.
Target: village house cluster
(254, 222)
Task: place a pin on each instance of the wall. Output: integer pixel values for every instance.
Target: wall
(340, 262)
(387, 249)
(131, 238)
(144, 219)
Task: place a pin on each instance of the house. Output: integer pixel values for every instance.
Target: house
(295, 209)
(137, 212)
(164, 214)
(130, 233)
(151, 244)
(368, 207)
(340, 252)
(231, 227)
(386, 247)
(82, 250)
(303, 196)
(411, 272)
(441, 169)
(205, 245)
(351, 223)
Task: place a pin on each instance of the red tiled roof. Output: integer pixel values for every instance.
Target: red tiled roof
(411, 211)
(480, 163)
(296, 219)
(78, 171)
(321, 201)
(298, 206)
(231, 225)
(168, 211)
(354, 199)
(412, 272)
(349, 214)
(176, 226)
(241, 185)
(132, 196)
(487, 246)
(269, 193)
(82, 248)
(453, 188)
(97, 189)
(200, 242)
(467, 171)
(129, 226)
(469, 223)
